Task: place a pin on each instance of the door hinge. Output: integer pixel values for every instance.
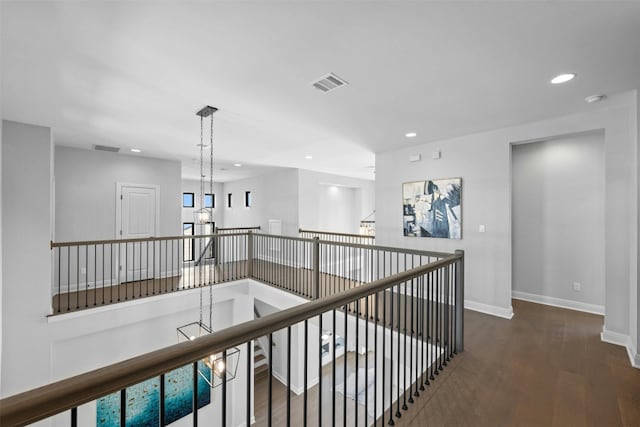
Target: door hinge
(121, 197)
(121, 232)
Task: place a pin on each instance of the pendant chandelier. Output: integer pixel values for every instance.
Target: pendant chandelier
(214, 368)
(204, 215)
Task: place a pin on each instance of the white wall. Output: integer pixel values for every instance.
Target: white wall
(334, 203)
(1, 244)
(483, 161)
(26, 274)
(66, 345)
(267, 301)
(85, 191)
(558, 220)
(635, 274)
(274, 196)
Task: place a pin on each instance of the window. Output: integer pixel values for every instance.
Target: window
(188, 244)
(210, 228)
(187, 200)
(229, 200)
(209, 201)
(247, 199)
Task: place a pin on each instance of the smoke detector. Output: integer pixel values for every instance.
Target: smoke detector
(594, 98)
(329, 82)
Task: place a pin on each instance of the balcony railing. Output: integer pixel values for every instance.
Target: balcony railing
(88, 274)
(329, 236)
(404, 321)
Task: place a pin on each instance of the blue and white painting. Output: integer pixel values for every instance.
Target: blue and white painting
(433, 208)
(178, 392)
(143, 400)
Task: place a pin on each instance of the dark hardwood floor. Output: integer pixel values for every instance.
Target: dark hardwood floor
(545, 367)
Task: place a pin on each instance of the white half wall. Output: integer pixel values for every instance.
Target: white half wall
(483, 162)
(85, 191)
(558, 219)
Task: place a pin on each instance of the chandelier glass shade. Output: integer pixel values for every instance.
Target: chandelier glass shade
(214, 368)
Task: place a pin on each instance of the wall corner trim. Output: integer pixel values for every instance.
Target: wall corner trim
(624, 341)
(558, 302)
(493, 310)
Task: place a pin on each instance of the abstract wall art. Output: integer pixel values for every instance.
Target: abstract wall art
(433, 208)
(143, 400)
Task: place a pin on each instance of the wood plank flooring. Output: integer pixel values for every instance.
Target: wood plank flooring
(545, 367)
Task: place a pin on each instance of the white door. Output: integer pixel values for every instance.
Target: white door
(138, 220)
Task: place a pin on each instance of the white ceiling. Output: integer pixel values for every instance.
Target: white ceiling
(132, 74)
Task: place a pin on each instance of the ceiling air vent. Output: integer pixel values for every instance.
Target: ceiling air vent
(106, 148)
(329, 82)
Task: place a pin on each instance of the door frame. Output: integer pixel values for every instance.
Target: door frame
(119, 186)
(156, 230)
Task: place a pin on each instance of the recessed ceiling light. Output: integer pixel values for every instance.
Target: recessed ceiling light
(411, 135)
(308, 157)
(136, 150)
(594, 98)
(237, 165)
(562, 78)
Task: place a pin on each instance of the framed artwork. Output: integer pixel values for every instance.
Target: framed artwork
(432, 208)
(143, 400)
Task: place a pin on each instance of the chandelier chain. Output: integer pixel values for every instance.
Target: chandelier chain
(211, 225)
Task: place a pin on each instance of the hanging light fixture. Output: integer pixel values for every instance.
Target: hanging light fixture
(214, 368)
(203, 215)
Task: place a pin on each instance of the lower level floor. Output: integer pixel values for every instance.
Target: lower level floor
(545, 367)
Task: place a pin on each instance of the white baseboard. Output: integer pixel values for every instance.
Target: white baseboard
(558, 302)
(506, 313)
(624, 341)
(297, 390)
(251, 422)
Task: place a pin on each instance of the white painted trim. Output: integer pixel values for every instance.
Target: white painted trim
(119, 186)
(251, 422)
(297, 390)
(493, 310)
(559, 302)
(156, 229)
(624, 341)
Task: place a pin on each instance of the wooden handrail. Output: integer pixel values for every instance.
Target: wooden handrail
(277, 236)
(238, 228)
(140, 240)
(37, 404)
(387, 249)
(331, 233)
